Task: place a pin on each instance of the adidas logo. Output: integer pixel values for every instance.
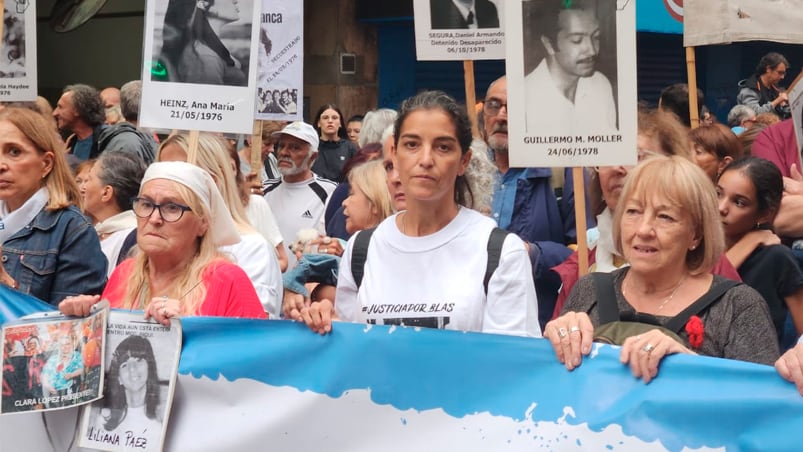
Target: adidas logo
(307, 214)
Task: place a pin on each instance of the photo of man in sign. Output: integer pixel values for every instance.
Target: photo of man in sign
(463, 14)
(569, 42)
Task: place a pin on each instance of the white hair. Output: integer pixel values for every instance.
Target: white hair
(374, 123)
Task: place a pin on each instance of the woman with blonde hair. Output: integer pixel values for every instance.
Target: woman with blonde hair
(367, 205)
(50, 250)
(664, 228)
(252, 253)
(182, 221)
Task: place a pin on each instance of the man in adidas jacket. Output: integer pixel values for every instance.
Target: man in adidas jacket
(298, 198)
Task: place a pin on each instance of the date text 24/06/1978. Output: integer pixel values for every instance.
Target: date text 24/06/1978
(571, 152)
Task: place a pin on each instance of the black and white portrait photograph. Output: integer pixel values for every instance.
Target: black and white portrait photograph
(200, 65)
(571, 65)
(141, 363)
(18, 78)
(463, 14)
(454, 30)
(205, 42)
(12, 56)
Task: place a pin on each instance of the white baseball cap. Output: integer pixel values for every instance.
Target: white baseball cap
(303, 132)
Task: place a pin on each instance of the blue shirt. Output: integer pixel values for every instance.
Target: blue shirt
(83, 148)
(505, 196)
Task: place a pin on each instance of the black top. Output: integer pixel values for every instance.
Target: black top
(332, 155)
(773, 272)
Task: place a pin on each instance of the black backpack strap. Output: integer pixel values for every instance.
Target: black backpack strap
(679, 321)
(607, 306)
(495, 242)
(359, 253)
(128, 243)
(319, 191)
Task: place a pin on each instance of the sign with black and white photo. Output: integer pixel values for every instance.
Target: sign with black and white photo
(280, 78)
(795, 94)
(141, 364)
(571, 75)
(52, 362)
(200, 65)
(459, 29)
(18, 80)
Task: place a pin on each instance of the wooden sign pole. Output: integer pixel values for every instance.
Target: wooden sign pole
(471, 97)
(580, 219)
(691, 70)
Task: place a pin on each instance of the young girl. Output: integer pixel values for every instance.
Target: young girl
(749, 193)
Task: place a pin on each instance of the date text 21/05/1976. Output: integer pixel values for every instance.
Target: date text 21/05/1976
(196, 111)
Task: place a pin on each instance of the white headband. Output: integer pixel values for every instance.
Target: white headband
(221, 225)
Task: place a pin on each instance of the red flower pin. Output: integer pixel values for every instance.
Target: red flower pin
(695, 330)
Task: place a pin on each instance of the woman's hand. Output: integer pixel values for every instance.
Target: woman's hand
(318, 316)
(790, 366)
(329, 245)
(5, 278)
(645, 352)
(292, 304)
(571, 335)
(162, 309)
(78, 305)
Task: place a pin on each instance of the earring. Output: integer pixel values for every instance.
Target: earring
(692, 248)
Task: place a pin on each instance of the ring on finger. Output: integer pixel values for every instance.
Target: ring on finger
(648, 348)
(574, 329)
(562, 332)
(164, 311)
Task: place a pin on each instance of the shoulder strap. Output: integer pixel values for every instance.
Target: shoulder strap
(607, 306)
(319, 191)
(495, 242)
(359, 253)
(680, 320)
(128, 243)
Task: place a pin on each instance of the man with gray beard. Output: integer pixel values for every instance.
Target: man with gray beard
(298, 198)
(525, 203)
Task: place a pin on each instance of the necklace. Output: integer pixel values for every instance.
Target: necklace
(667, 299)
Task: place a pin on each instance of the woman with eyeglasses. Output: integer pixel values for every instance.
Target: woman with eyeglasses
(50, 250)
(182, 220)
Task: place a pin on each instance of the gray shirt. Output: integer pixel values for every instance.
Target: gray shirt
(737, 326)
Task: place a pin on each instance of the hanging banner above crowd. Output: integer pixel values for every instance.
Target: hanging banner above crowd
(709, 22)
(571, 75)
(450, 30)
(280, 78)
(200, 65)
(247, 383)
(18, 81)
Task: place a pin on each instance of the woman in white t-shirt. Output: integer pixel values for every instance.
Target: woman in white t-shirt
(425, 266)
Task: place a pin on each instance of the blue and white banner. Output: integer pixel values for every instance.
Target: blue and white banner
(273, 385)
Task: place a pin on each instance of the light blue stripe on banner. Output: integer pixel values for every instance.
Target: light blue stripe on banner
(695, 401)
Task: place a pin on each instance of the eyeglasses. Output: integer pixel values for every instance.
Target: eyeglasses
(492, 107)
(169, 211)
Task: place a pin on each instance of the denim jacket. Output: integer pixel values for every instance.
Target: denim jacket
(56, 255)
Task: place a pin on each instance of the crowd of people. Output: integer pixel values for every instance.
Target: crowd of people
(693, 250)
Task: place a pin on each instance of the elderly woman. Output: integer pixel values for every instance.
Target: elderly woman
(660, 133)
(664, 228)
(63, 368)
(439, 231)
(111, 184)
(335, 148)
(182, 220)
(49, 249)
(252, 252)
